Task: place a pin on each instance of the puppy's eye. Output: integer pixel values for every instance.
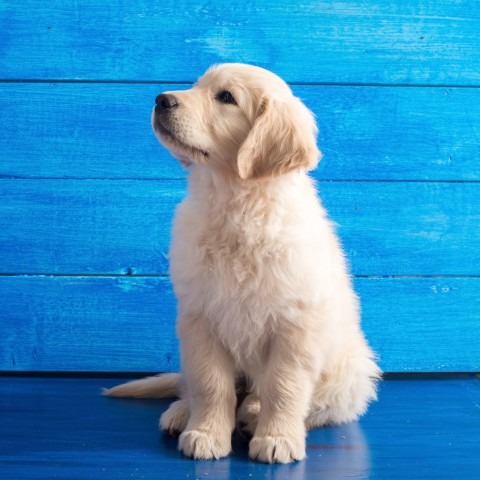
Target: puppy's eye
(226, 97)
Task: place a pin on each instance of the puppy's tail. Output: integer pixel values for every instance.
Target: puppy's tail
(160, 386)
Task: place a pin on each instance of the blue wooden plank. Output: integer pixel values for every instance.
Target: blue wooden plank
(366, 133)
(407, 228)
(87, 324)
(387, 228)
(62, 428)
(119, 324)
(423, 324)
(86, 226)
(369, 41)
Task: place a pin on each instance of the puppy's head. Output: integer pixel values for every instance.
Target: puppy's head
(239, 119)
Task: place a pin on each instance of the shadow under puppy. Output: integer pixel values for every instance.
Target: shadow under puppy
(261, 280)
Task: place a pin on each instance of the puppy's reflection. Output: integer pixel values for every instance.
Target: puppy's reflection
(332, 454)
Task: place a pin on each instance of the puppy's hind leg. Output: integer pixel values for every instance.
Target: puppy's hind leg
(343, 393)
(174, 420)
(247, 414)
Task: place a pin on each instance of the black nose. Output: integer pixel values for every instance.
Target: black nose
(165, 101)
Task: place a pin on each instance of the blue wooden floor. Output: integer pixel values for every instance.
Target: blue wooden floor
(63, 428)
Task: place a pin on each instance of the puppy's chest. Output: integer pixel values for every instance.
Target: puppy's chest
(240, 250)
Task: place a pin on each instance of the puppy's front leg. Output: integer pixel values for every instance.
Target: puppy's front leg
(286, 387)
(210, 383)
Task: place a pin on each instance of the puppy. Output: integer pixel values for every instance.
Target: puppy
(261, 280)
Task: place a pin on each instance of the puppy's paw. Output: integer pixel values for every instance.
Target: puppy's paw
(175, 419)
(276, 449)
(247, 414)
(202, 445)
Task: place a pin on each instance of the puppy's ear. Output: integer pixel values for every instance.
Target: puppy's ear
(283, 138)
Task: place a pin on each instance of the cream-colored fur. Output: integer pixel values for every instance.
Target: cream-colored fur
(261, 280)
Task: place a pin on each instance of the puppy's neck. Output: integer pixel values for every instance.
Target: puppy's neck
(227, 186)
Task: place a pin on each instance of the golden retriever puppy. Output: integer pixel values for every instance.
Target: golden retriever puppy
(261, 280)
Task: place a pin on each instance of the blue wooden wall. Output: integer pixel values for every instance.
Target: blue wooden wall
(87, 194)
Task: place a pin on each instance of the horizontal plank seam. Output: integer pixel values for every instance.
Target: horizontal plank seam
(190, 82)
(177, 179)
(86, 275)
(164, 275)
(133, 375)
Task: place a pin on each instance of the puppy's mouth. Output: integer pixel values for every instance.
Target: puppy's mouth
(165, 131)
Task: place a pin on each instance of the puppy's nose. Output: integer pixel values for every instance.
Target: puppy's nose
(165, 101)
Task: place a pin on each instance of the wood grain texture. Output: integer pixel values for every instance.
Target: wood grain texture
(414, 42)
(366, 133)
(102, 227)
(63, 428)
(120, 324)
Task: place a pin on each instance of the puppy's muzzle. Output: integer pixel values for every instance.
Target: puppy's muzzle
(165, 103)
